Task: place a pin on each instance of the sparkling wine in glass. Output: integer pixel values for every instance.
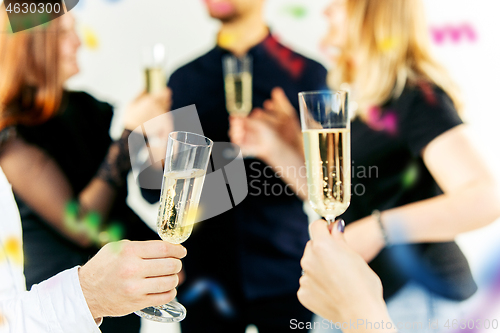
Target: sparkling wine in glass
(327, 145)
(238, 84)
(155, 63)
(186, 164)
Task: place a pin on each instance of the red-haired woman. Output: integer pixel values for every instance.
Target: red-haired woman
(55, 148)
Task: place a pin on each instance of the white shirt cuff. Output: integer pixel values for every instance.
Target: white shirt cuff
(64, 304)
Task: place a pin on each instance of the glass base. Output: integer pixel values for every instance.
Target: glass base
(172, 312)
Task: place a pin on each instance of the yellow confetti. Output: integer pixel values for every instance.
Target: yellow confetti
(388, 44)
(225, 40)
(2, 255)
(90, 38)
(14, 250)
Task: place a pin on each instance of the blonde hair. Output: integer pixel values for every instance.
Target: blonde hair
(388, 47)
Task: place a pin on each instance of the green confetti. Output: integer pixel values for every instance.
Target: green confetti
(115, 232)
(92, 222)
(91, 225)
(71, 216)
(296, 11)
(8, 27)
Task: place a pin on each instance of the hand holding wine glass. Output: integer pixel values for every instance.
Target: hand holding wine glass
(337, 283)
(186, 164)
(125, 276)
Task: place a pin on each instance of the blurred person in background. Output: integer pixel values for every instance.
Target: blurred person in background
(55, 148)
(259, 242)
(428, 183)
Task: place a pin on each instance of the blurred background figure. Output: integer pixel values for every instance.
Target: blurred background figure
(55, 149)
(406, 121)
(259, 243)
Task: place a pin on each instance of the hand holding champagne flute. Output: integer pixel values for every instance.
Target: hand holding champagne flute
(327, 145)
(186, 164)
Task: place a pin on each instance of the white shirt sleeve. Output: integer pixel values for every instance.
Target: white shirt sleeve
(56, 305)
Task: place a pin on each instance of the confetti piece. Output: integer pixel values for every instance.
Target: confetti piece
(296, 11)
(92, 222)
(14, 250)
(91, 225)
(104, 237)
(115, 232)
(116, 247)
(226, 40)
(455, 34)
(71, 216)
(388, 44)
(410, 176)
(8, 27)
(3, 257)
(382, 121)
(90, 38)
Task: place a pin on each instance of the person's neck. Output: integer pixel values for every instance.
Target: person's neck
(239, 36)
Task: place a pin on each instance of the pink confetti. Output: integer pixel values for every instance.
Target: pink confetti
(455, 34)
(382, 121)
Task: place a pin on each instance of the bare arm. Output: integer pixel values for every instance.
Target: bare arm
(39, 181)
(471, 199)
(471, 196)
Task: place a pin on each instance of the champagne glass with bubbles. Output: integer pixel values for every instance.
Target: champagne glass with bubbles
(186, 164)
(327, 145)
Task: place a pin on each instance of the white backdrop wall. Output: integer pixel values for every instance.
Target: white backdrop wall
(115, 31)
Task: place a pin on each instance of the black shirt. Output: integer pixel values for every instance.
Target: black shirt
(256, 247)
(388, 172)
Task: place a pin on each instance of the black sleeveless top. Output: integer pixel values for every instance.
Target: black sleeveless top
(77, 139)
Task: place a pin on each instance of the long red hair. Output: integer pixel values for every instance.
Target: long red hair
(31, 87)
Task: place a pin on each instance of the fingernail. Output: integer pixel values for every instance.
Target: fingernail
(341, 226)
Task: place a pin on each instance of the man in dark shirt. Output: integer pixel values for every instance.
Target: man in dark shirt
(259, 243)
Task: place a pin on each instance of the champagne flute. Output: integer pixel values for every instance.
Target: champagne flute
(238, 84)
(186, 164)
(155, 63)
(327, 144)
